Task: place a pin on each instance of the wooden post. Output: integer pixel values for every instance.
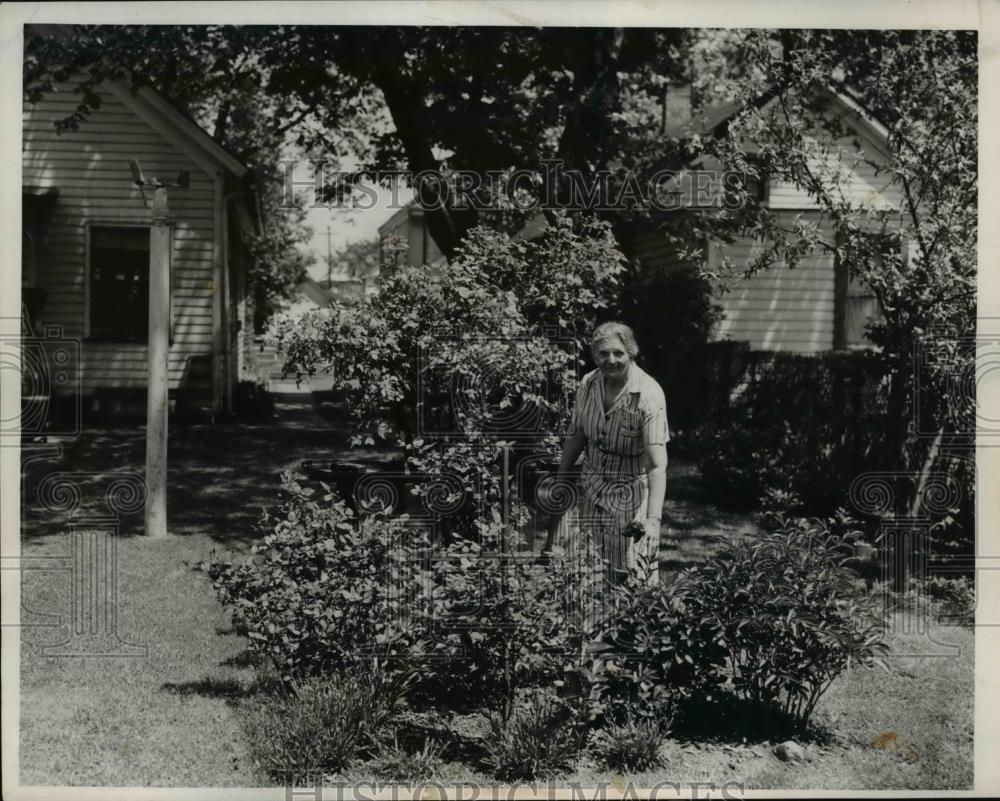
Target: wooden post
(159, 346)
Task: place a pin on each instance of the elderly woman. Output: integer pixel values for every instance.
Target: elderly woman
(619, 424)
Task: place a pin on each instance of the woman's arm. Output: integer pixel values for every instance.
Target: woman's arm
(656, 473)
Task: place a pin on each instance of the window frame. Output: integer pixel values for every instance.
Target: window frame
(762, 197)
(89, 271)
(841, 294)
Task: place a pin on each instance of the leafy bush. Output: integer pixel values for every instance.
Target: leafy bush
(784, 608)
(322, 724)
(631, 746)
(654, 654)
(804, 426)
(480, 331)
(956, 596)
(502, 622)
(326, 587)
(542, 738)
(772, 620)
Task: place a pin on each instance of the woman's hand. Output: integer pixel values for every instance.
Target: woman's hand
(651, 527)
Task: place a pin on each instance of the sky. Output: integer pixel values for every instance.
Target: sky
(348, 226)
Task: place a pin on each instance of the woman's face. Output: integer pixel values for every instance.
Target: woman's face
(611, 357)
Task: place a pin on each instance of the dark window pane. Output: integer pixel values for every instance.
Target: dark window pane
(119, 283)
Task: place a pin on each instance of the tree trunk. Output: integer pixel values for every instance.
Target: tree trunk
(586, 140)
(406, 101)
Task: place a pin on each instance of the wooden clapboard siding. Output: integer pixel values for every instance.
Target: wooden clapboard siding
(89, 167)
(853, 159)
(859, 179)
(779, 308)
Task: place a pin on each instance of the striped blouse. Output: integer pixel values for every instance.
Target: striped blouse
(614, 471)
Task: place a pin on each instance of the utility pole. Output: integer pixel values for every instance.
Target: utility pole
(159, 348)
(329, 259)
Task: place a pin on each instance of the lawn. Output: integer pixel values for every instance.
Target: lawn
(175, 716)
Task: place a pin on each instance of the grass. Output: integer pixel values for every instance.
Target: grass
(167, 719)
(176, 717)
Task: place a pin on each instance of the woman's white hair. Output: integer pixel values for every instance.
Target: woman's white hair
(615, 330)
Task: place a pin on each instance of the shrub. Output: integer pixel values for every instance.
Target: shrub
(631, 746)
(956, 596)
(653, 653)
(784, 608)
(795, 424)
(325, 586)
(322, 724)
(503, 623)
(771, 621)
(541, 738)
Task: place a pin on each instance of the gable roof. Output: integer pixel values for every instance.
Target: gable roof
(165, 118)
(714, 120)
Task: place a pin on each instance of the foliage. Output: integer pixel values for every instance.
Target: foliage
(323, 725)
(314, 595)
(784, 608)
(476, 342)
(474, 619)
(393, 97)
(773, 620)
(797, 430)
(957, 597)
(541, 739)
(504, 623)
(654, 654)
(395, 763)
(631, 746)
(951, 600)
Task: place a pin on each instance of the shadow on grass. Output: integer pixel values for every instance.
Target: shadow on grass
(728, 719)
(220, 477)
(209, 688)
(244, 659)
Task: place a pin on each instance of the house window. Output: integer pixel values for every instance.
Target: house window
(119, 284)
(856, 305)
(756, 186)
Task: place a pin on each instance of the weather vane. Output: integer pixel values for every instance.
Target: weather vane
(182, 182)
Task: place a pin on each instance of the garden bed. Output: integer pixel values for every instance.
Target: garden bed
(179, 716)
